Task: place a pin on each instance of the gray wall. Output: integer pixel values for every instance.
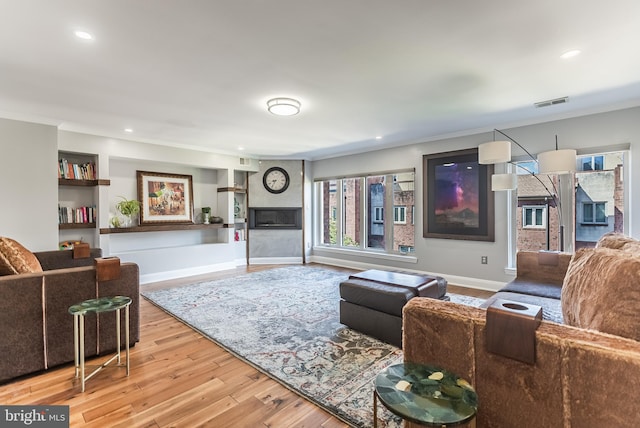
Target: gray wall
(461, 259)
(273, 246)
(28, 172)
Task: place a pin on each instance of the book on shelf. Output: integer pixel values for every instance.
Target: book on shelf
(71, 215)
(76, 171)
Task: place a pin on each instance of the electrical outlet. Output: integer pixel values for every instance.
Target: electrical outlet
(484, 260)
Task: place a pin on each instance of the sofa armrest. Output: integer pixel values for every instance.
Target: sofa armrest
(66, 287)
(543, 266)
(61, 259)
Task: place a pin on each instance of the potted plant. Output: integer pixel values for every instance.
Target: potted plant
(129, 208)
(206, 214)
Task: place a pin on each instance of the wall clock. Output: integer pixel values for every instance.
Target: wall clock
(275, 180)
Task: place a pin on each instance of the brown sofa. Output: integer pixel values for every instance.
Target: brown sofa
(585, 373)
(37, 329)
(581, 378)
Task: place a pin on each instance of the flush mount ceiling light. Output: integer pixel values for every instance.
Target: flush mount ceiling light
(83, 35)
(283, 106)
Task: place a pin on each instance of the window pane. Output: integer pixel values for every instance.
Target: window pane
(375, 200)
(403, 197)
(601, 215)
(605, 185)
(329, 211)
(528, 214)
(399, 214)
(587, 213)
(539, 221)
(351, 212)
(598, 163)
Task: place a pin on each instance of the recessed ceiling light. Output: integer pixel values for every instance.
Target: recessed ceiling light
(378, 137)
(570, 54)
(241, 148)
(128, 130)
(283, 106)
(83, 35)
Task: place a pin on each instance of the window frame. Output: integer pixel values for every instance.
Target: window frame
(399, 209)
(594, 220)
(534, 209)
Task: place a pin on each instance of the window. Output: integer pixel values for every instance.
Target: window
(400, 215)
(592, 163)
(378, 214)
(351, 213)
(592, 200)
(594, 213)
(534, 217)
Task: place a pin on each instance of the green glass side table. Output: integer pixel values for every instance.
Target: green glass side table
(99, 305)
(425, 395)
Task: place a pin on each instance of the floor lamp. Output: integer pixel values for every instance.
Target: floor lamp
(551, 162)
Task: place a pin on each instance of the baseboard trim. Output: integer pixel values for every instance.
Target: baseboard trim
(480, 284)
(275, 261)
(181, 273)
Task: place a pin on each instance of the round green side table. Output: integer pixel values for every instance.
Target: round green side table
(99, 305)
(425, 395)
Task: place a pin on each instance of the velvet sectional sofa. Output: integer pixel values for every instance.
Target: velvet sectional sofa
(36, 292)
(586, 372)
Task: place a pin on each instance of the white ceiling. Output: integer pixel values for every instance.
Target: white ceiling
(198, 73)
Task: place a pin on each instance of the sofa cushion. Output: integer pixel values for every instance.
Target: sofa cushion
(616, 241)
(15, 259)
(534, 288)
(601, 291)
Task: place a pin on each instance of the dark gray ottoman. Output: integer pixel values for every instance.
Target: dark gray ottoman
(372, 301)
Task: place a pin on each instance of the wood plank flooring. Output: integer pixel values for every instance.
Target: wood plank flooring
(178, 379)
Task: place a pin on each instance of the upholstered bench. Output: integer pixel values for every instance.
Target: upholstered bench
(372, 301)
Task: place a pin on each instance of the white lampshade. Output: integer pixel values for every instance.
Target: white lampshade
(504, 182)
(494, 152)
(283, 106)
(557, 162)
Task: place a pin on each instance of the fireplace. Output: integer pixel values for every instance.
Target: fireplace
(275, 218)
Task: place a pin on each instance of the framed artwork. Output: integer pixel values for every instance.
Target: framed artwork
(458, 203)
(165, 198)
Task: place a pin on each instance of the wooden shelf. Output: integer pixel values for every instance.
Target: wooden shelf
(163, 228)
(232, 189)
(65, 226)
(87, 183)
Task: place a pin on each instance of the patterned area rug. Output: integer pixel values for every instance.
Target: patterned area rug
(285, 322)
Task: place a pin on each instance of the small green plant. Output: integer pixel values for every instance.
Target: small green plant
(206, 210)
(128, 207)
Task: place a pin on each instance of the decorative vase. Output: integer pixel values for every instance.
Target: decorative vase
(205, 218)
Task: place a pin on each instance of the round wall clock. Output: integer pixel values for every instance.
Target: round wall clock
(275, 180)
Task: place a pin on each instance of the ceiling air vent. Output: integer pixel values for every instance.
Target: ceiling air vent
(552, 102)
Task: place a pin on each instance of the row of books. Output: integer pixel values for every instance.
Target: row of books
(239, 235)
(76, 215)
(76, 171)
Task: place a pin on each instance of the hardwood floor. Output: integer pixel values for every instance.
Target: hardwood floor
(178, 379)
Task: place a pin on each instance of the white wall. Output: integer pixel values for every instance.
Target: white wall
(459, 261)
(165, 254)
(28, 172)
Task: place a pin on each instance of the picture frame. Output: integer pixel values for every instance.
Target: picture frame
(458, 201)
(165, 198)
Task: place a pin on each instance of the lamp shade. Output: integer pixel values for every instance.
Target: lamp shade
(494, 152)
(557, 162)
(504, 182)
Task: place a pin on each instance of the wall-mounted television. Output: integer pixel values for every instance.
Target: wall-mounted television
(275, 218)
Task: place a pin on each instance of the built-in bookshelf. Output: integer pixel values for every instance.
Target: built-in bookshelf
(78, 197)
